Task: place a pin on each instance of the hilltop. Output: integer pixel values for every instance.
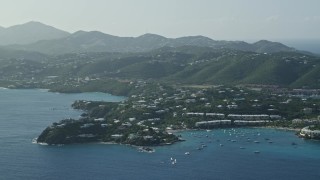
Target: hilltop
(29, 32)
(96, 41)
(45, 39)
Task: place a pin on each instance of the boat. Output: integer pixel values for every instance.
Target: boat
(173, 161)
(187, 153)
(256, 152)
(256, 141)
(242, 148)
(203, 145)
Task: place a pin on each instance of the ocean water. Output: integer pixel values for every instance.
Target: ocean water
(25, 113)
(311, 45)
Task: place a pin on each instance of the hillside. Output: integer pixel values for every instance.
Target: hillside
(183, 65)
(20, 54)
(95, 41)
(185, 60)
(30, 32)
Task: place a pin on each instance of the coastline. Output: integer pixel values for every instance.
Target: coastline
(266, 127)
(281, 128)
(295, 130)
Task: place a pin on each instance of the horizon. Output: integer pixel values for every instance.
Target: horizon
(220, 20)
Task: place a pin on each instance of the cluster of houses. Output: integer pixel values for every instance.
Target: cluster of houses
(158, 104)
(189, 108)
(234, 119)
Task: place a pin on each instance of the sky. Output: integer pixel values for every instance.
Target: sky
(218, 19)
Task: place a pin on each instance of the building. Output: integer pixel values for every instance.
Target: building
(212, 123)
(306, 132)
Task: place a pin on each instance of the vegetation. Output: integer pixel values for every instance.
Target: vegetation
(185, 65)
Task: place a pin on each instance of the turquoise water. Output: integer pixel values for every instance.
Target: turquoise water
(25, 113)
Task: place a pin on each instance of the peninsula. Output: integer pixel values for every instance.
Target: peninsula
(148, 116)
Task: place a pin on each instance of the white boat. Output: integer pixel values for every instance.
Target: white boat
(173, 161)
(187, 153)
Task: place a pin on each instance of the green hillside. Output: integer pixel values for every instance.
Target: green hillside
(183, 65)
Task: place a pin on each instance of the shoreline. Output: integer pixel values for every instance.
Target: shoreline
(296, 130)
(282, 128)
(264, 127)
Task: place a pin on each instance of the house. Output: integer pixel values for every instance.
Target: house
(154, 119)
(275, 117)
(218, 115)
(116, 136)
(194, 114)
(87, 125)
(126, 124)
(86, 135)
(232, 106)
(248, 116)
(212, 123)
(307, 110)
(147, 137)
(99, 119)
(105, 125)
(252, 123)
(190, 101)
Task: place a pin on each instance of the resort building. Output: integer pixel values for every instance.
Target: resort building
(306, 132)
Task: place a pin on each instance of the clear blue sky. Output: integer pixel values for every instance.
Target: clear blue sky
(217, 19)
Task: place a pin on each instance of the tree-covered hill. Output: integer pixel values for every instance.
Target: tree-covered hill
(96, 41)
(185, 65)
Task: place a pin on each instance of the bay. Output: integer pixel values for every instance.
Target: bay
(217, 154)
